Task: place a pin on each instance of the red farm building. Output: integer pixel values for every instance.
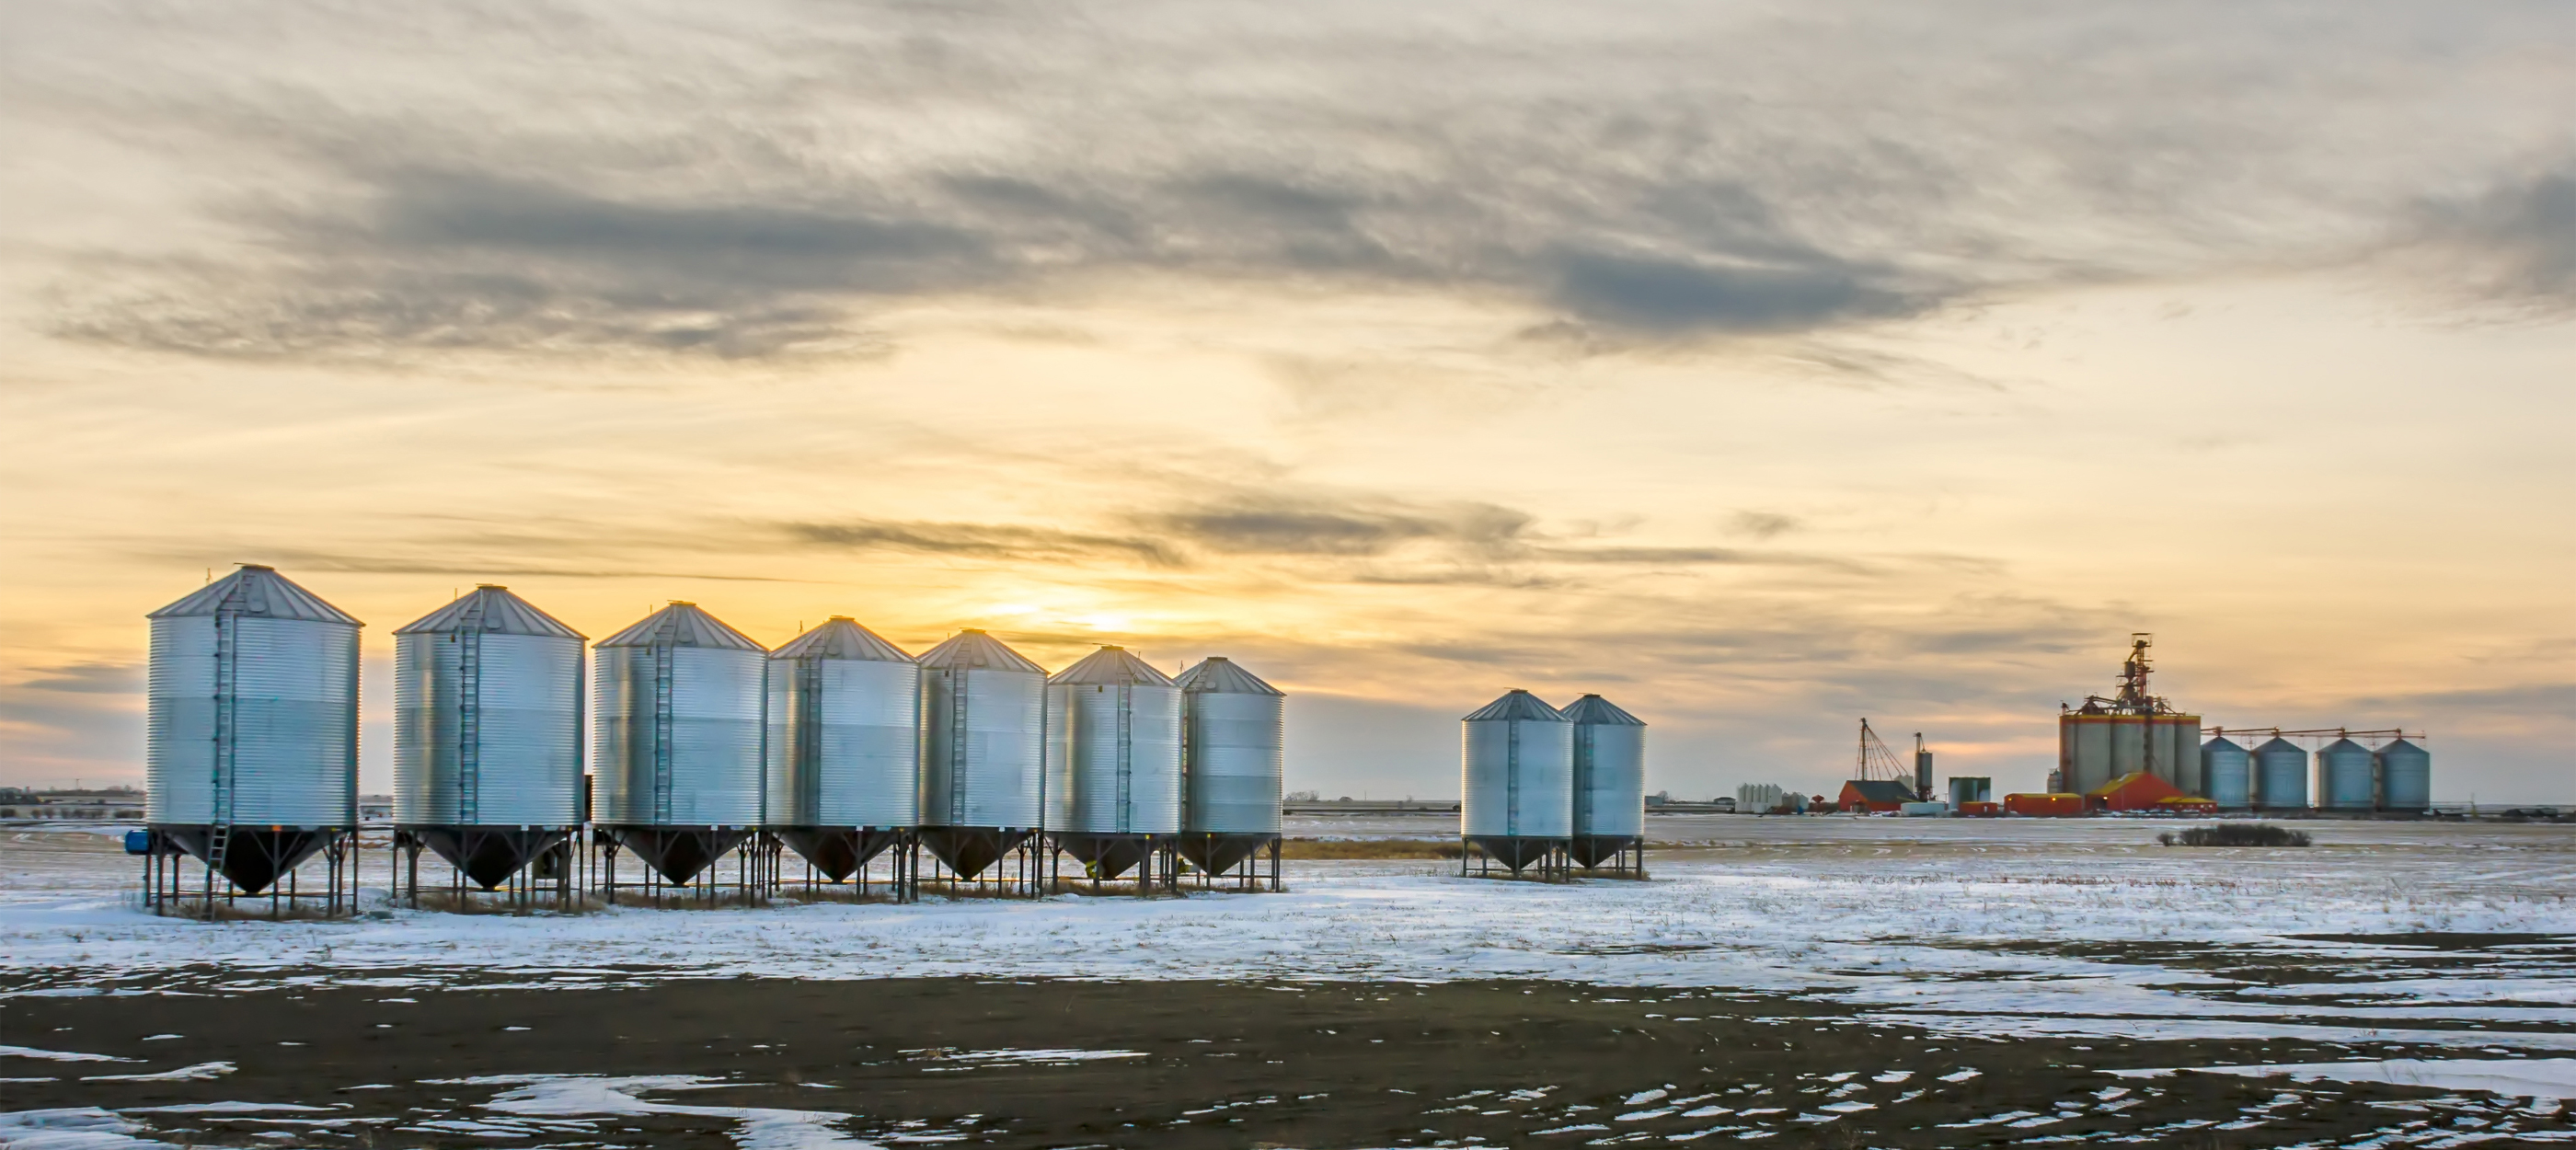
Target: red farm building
(1874, 796)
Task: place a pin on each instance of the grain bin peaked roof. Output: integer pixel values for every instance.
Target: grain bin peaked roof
(1600, 712)
(260, 592)
(971, 648)
(1110, 667)
(1218, 675)
(682, 624)
(1516, 704)
(841, 637)
(492, 610)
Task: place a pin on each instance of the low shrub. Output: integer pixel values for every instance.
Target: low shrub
(2236, 835)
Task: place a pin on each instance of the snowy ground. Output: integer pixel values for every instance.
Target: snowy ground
(1973, 926)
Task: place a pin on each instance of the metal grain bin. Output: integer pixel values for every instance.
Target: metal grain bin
(2228, 769)
(2405, 777)
(983, 711)
(2280, 776)
(679, 739)
(1516, 779)
(1234, 749)
(1113, 759)
(2344, 781)
(488, 695)
(251, 727)
(844, 745)
(1609, 779)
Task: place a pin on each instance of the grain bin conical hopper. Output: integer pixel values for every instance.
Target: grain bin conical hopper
(844, 745)
(679, 742)
(1516, 779)
(1234, 756)
(1113, 759)
(982, 761)
(1609, 780)
(251, 728)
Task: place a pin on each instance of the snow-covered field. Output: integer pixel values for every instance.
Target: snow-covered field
(2077, 927)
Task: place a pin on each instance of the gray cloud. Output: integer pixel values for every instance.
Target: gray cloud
(88, 678)
(2518, 240)
(1262, 524)
(1763, 524)
(1004, 542)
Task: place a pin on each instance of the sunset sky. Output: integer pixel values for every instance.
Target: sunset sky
(1759, 366)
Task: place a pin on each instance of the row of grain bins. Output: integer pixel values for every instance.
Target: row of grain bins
(1550, 789)
(2396, 776)
(838, 744)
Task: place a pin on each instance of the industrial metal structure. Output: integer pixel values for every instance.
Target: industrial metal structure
(251, 741)
(844, 749)
(983, 772)
(2405, 777)
(2227, 770)
(1113, 767)
(679, 762)
(2280, 776)
(1609, 785)
(1516, 782)
(488, 701)
(1233, 768)
(2344, 780)
(2132, 730)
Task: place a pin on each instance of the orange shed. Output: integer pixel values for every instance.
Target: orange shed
(1981, 810)
(2135, 791)
(2052, 804)
(2187, 805)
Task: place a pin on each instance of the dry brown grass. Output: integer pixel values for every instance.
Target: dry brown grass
(1369, 849)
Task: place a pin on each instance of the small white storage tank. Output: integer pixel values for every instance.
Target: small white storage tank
(1609, 779)
(1113, 759)
(983, 750)
(1234, 739)
(2405, 777)
(487, 732)
(1516, 779)
(844, 745)
(251, 724)
(679, 741)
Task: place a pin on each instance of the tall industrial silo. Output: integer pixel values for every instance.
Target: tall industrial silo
(2405, 777)
(251, 728)
(983, 754)
(2344, 780)
(2177, 752)
(1516, 780)
(2280, 776)
(1113, 761)
(487, 733)
(1609, 781)
(844, 745)
(1234, 735)
(2227, 769)
(679, 742)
